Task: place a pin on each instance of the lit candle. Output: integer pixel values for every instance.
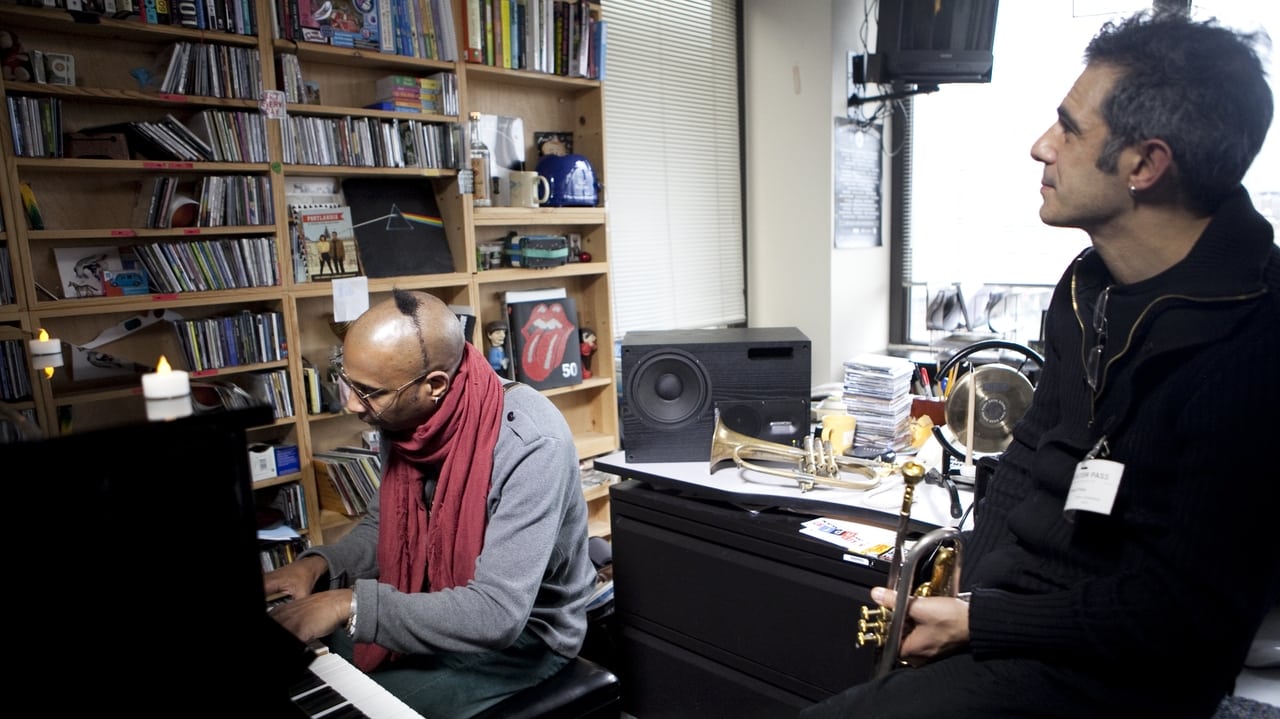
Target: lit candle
(46, 353)
(167, 391)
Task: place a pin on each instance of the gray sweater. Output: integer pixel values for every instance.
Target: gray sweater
(533, 569)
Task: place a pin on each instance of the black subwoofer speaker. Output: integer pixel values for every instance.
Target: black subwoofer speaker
(674, 381)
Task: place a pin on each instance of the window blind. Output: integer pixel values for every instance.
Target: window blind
(672, 138)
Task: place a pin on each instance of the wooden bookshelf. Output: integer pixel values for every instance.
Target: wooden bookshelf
(90, 201)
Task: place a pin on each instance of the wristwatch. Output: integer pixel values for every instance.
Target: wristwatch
(351, 618)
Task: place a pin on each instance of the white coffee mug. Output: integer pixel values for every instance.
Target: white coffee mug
(529, 189)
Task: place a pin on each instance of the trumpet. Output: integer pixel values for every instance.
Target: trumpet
(884, 627)
(813, 465)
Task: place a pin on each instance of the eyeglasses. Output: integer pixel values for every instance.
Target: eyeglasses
(1093, 360)
(367, 398)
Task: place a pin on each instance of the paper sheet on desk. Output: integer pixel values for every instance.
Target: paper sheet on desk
(869, 541)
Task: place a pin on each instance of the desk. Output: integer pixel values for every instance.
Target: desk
(722, 607)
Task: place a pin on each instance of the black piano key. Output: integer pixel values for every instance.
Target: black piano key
(350, 711)
(305, 683)
(320, 699)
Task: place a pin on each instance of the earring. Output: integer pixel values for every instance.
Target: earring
(1133, 191)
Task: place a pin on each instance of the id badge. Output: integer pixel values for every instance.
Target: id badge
(1094, 487)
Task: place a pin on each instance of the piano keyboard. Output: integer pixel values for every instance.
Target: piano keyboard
(336, 689)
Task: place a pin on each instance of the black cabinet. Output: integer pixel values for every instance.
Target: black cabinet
(725, 611)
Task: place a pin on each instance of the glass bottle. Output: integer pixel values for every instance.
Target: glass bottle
(481, 161)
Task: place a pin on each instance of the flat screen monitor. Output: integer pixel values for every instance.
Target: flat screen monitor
(932, 42)
(135, 570)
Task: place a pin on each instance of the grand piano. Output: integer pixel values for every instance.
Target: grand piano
(135, 583)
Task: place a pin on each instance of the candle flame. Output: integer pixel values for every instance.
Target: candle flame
(162, 367)
(48, 373)
(44, 336)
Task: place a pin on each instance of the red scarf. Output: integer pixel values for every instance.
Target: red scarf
(440, 547)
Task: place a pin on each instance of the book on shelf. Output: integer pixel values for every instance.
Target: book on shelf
(38, 68)
(269, 388)
(209, 395)
(59, 68)
(599, 49)
(473, 31)
(504, 136)
(310, 92)
(80, 268)
(164, 202)
(189, 137)
(354, 476)
(398, 227)
(347, 25)
(290, 502)
(146, 207)
(155, 141)
(330, 243)
(187, 14)
(543, 333)
(334, 488)
(446, 33)
(304, 195)
(467, 316)
(307, 20)
(319, 391)
(396, 106)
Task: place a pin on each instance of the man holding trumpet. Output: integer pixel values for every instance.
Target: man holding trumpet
(1116, 566)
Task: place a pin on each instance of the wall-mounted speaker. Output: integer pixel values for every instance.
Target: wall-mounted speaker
(674, 381)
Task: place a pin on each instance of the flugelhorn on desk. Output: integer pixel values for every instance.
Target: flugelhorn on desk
(884, 627)
(812, 465)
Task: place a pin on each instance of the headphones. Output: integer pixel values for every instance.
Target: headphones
(985, 345)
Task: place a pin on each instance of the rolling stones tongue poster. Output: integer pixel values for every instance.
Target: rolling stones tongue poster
(544, 336)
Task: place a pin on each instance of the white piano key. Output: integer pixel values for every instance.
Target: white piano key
(356, 686)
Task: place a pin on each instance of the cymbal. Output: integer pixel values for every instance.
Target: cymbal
(1002, 396)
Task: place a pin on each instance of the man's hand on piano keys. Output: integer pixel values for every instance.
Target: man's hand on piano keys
(297, 579)
(316, 616)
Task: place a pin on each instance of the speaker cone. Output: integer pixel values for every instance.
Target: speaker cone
(742, 417)
(669, 388)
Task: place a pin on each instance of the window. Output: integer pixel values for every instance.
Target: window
(970, 194)
(672, 123)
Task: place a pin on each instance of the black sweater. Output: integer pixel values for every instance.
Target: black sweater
(1175, 581)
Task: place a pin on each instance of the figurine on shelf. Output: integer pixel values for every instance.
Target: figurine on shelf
(588, 347)
(496, 331)
(14, 59)
(325, 246)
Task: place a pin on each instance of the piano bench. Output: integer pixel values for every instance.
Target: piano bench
(581, 690)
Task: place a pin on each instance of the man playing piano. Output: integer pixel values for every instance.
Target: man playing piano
(468, 579)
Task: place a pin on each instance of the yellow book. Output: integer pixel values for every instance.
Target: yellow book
(504, 24)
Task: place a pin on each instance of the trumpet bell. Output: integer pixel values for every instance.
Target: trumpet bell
(812, 465)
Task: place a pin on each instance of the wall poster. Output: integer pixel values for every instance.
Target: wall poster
(858, 169)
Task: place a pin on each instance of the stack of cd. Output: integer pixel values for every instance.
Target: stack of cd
(877, 392)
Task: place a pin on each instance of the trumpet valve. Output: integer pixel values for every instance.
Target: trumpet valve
(872, 637)
(811, 460)
(875, 614)
(873, 625)
(827, 460)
